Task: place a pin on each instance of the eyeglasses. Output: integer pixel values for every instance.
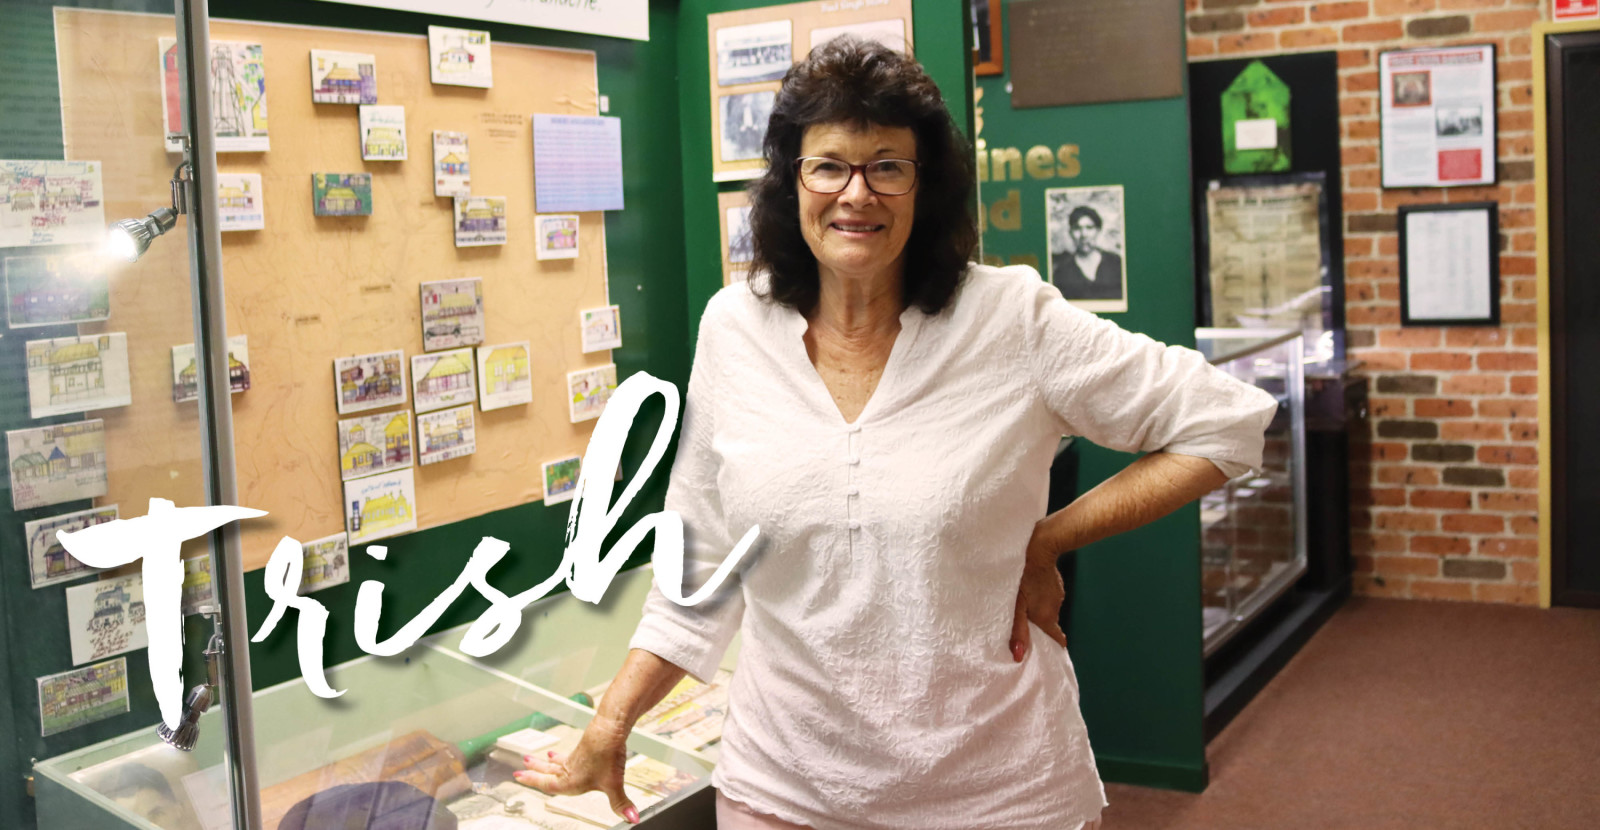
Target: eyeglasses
(885, 177)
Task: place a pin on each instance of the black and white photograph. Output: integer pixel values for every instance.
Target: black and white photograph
(890, 33)
(1459, 122)
(740, 247)
(1088, 255)
(744, 124)
(754, 53)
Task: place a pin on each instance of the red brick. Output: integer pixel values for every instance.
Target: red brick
(1358, 246)
(1389, 245)
(1524, 571)
(1512, 20)
(1367, 32)
(1200, 47)
(1388, 407)
(1508, 502)
(1441, 499)
(1514, 70)
(1438, 589)
(1523, 479)
(1372, 315)
(1405, 474)
(1324, 12)
(1473, 384)
(1472, 523)
(1363, 177)
(1440, 361)
(1525, 525)
(1518, 265)
(1442, 408)
(1385, 361)
(1406, 565)
(1404, 520)
(1360, 128)
(1301, 38)
(1376, 586)
(1525, 384)
(1351, 156)
(1487, 193)
(1395, 8)
(1354, 58)
(1459, 5)
(1514, 122)
(1277, 17)
(1519, 45)
(1356, 105)
(1248, 42)
(1501, 454)
(1508, 361)
(1521, 289)
(1519, 312)
(1440, 545)
(1509, 548)
(1388, 451)
(1411, 338)
(1507, 594)
(1370, 543)
(1415, 196)
(1386, 497)
(1473, 337)
(1525, 431)
(1471, 431)
(1508, 408)
(1372, 269)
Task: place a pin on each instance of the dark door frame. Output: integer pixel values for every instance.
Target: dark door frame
(1556, 45)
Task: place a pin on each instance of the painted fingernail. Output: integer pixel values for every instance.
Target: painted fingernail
(1018, 651)
(552, 753)
(630, 814)
(527, 759)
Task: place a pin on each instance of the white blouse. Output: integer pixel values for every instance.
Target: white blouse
(875, 686)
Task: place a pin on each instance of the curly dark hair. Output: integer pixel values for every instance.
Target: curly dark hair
(1081, 211)
(864, 83)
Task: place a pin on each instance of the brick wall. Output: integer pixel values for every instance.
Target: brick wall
(1447, 508)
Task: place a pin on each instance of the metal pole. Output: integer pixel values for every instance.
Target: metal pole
(216, 408)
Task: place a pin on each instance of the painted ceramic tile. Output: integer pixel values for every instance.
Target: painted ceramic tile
(51, 203)
(198, 588)
(601, 327)
(504, 378)
(588, 390)
(480, 220)
(445, 435)
(558, 236)
(561, 479)
(370, 381)
(379, 506)
(460, 57)
(374, 444)
(77, 374)
(186, 371)
(443, 379)
(50, 290)
(239, 204)
(343, 77)
(239, 102)
(452, 314)
(341, 194)
(383, 132)
(53, 464)
(49, 562)
(326, 563)
(82, 696)
(452, 175)
(106, 618)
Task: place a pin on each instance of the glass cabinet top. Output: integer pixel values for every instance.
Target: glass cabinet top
(1222, 345)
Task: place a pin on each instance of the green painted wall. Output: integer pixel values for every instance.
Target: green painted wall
(942, 40)
(1136, 611)
(645, 248)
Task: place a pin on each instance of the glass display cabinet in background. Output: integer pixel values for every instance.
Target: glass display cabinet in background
(435, 719)
(1253, 528)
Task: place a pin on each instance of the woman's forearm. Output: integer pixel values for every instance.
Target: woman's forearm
(641, 683)
(1144, 491)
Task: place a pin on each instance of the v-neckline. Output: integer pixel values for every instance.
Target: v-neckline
(910, 324)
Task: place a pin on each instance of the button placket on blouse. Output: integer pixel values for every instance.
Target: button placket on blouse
(852, 479)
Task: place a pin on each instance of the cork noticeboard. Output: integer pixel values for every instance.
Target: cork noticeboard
(752, 48)
(308, 289)
(733, 208)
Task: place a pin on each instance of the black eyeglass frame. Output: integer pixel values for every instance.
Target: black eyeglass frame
(916, 175)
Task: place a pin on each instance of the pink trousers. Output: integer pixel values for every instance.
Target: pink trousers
(735, 815)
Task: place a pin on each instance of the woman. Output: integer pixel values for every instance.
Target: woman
(887, 414)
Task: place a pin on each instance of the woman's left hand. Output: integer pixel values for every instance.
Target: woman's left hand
(1039, 597)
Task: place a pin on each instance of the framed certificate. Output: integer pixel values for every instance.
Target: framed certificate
(1437, 111)
(1449, 273)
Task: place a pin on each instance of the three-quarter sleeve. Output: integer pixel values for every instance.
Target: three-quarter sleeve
(1128, 392)
(695, 638)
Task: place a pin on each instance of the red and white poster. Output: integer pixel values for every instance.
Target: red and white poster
(1562, 11)
(1438, 110)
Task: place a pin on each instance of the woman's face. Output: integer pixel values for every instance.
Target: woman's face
(856, 232)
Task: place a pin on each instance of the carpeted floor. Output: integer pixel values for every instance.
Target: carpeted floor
(1407, 714)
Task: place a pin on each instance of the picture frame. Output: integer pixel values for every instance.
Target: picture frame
(1449, 264)
(1437, 116)
(988, 41)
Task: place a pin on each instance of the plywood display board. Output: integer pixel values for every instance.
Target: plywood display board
(752, 48)
(308, 289)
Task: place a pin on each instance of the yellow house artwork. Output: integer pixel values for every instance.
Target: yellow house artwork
(505, 369)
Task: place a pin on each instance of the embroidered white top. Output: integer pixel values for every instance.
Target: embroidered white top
(875, 688)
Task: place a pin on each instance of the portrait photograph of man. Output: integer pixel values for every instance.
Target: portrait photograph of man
(1085, 226)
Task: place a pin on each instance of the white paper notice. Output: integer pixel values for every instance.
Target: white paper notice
(1255, 134)
(1438, 108)
(1447, 265)
(577, 163)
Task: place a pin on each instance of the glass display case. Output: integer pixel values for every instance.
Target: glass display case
(452, 727)
(1253, 528)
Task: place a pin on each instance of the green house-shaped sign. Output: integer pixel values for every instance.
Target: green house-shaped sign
(1255, 122)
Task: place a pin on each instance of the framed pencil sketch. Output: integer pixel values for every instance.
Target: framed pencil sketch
(1449, 271)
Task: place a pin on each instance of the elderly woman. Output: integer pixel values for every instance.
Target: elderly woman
(887, 413)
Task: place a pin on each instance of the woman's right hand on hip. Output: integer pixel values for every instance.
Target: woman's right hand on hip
(596, 764)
